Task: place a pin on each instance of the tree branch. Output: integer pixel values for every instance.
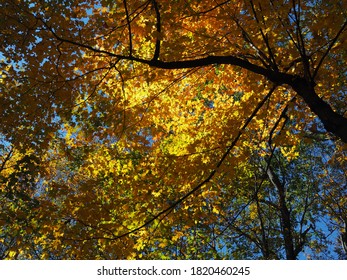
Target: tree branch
(158, 26)
(129, 27)
(331, 45)
(332, 121)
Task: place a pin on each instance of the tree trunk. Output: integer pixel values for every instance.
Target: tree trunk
(285, 216)
(332, 121)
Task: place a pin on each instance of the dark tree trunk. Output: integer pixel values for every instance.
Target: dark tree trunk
(285, 217)
(332, 121)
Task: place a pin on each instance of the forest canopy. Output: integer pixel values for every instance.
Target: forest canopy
(184, 129)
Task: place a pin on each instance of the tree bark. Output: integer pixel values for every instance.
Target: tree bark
(285, 216)
(332, 121)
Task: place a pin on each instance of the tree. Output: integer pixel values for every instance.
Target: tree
(129, 126)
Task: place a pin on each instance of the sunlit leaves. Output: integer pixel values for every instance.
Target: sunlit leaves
(113, 146)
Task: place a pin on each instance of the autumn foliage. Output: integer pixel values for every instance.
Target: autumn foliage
(173, 129)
